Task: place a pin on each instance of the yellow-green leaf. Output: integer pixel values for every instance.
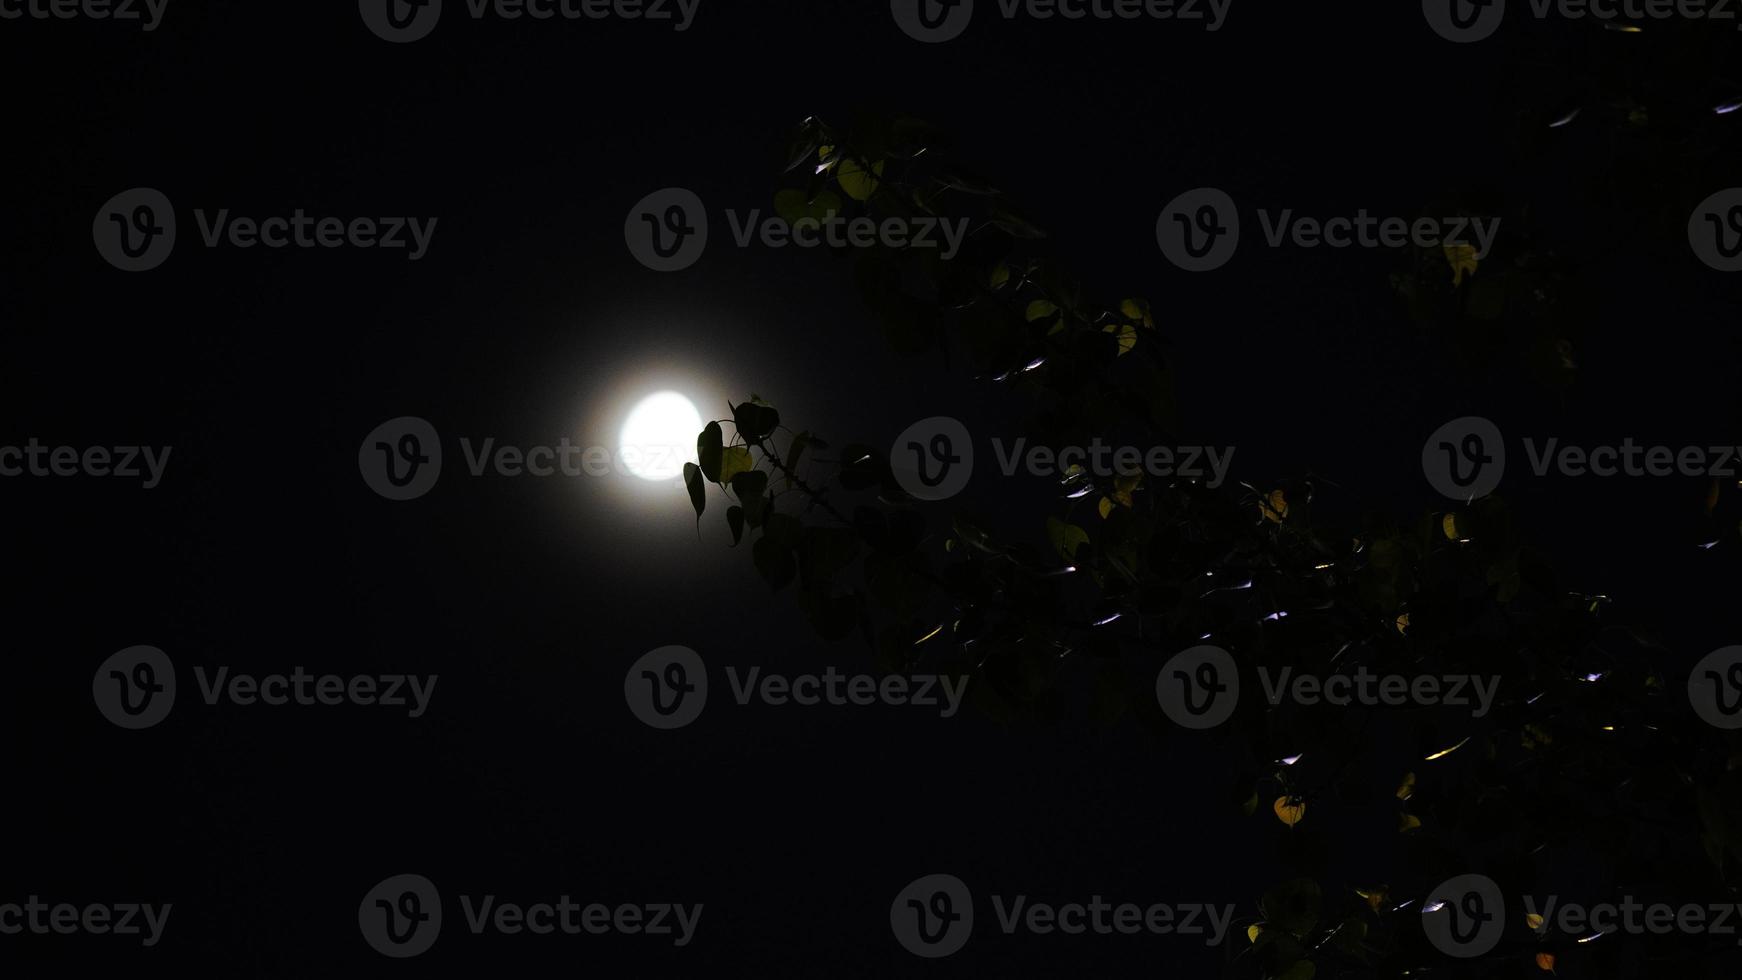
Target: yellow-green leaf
(1127, 336)
(858, 182)
(1040, 309)
(735, 460)
(1462, 258)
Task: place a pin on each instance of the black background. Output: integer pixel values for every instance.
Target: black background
(528, 779)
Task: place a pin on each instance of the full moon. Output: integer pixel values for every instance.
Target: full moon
(660, 436)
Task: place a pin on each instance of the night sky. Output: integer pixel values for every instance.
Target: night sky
(528, 320)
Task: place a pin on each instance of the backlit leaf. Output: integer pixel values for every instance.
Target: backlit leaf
(733, 461)
(858, 182)
(1462, 258)
(1274, 507)
(1289, 810)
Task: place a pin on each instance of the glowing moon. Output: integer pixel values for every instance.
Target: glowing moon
(660, 436)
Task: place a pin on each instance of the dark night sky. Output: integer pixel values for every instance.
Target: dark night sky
(529, 319)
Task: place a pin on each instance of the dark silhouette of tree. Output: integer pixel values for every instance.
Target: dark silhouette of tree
(1077, 608)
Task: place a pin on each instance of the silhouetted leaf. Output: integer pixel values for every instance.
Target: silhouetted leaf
(692, 480)
(751, 489)
(749, 484)
(708, 451)
(755, 422)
